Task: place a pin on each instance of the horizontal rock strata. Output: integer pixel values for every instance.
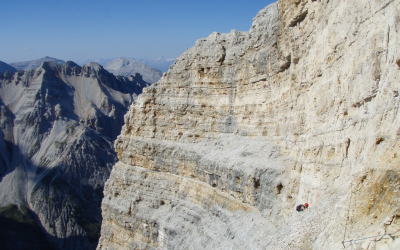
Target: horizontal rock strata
(246, 125)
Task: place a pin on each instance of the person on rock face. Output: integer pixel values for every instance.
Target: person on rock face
(301, 207)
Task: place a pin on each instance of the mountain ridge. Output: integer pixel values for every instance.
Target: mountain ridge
(34, 64)
(58, 123)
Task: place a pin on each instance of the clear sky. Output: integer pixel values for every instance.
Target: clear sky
(93, 29)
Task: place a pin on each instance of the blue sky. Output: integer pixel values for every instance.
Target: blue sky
(87, 29)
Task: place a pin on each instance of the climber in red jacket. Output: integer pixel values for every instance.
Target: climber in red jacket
(301, 207)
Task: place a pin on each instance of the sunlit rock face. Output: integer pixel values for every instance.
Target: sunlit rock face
(58, 124)
(246, 125)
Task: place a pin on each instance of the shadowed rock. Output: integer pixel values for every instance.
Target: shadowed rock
(58, 124)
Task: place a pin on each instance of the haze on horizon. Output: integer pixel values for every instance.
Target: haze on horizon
(91, 30)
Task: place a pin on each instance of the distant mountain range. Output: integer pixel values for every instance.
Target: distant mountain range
(161, 63)
(34, 64)
(151, 70)
(100, 61)
(126, 67)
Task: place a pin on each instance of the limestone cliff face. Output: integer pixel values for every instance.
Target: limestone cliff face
(245, 125)
(57, 125)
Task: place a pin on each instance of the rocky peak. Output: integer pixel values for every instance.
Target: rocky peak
(93, 66)
(50, 66)
(71, 64)
(71, 68)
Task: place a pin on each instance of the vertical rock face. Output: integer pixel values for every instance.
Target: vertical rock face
(246, 125)
(57, 126)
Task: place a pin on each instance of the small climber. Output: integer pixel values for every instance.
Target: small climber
(301, 207)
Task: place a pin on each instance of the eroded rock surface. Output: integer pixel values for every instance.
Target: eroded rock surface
(57, 127)
(246, 125)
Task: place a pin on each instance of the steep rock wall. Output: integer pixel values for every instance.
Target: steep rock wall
(245, 125)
